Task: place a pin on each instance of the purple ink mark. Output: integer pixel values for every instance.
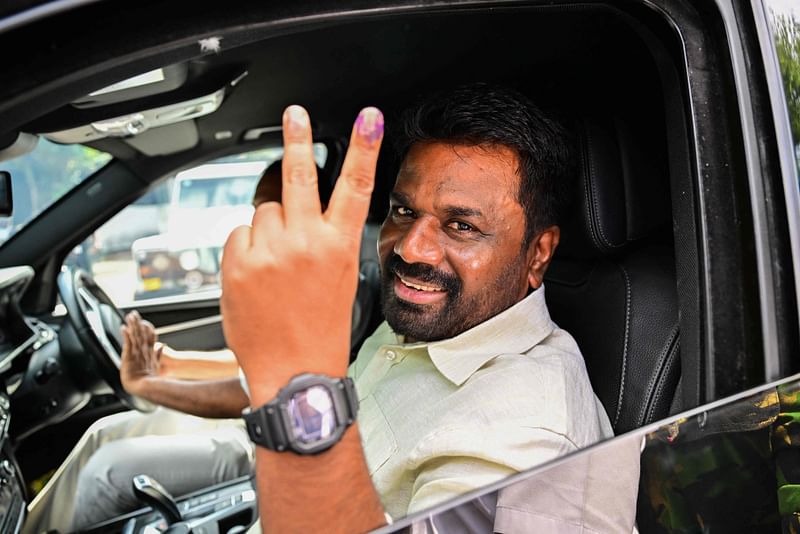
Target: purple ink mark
(369, 124)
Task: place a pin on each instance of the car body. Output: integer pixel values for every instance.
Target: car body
(690, 95)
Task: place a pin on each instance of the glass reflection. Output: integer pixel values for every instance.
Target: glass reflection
(734, 468)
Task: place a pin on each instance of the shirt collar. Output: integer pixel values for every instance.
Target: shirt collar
(512, 331)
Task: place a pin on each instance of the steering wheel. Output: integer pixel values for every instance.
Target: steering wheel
(97, 323)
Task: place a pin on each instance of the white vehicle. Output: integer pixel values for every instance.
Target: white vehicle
(208, 202)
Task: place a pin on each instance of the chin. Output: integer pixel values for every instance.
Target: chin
(420, 322)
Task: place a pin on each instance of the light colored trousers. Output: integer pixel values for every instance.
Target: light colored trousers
(184, 453)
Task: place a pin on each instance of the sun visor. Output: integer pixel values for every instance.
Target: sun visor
(154, 82)
(166, 140)
(138, 123)
(23, 144)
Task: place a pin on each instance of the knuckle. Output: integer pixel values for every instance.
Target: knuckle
(301, 175)
(361, 181)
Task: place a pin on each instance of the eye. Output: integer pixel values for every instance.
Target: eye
(402, 211)
(461, 226)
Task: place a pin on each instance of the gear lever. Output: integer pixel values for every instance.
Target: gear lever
(149, 491)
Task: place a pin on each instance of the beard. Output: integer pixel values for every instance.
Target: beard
(457, 313)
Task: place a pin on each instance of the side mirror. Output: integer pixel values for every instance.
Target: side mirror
(6, 202)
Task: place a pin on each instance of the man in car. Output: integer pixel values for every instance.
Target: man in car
(469, 380)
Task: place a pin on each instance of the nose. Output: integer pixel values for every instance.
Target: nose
(420, 243)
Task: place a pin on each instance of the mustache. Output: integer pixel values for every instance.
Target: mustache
(423, 272)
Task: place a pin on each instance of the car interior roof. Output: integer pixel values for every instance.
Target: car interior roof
(577, 59)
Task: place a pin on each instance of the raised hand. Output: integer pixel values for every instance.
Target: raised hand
(288, 282)
(141, 354)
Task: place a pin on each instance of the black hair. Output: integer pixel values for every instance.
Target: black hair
(482, 114)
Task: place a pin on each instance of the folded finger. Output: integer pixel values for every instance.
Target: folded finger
(268, 219)
(236, 246)
(351, 196)
(300, 197)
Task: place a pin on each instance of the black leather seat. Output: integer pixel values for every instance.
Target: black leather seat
(367, 313)
(612, 282)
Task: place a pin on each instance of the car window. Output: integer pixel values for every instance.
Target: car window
(41, 177)
(728, 467)
(169, 242)
(785, 24)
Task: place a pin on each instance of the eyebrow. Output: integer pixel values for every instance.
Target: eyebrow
(400, 198)
(460, 211)
(451, 211)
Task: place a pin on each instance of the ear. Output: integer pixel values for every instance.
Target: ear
(540, 252)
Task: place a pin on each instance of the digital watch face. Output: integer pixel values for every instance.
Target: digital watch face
(313, 417)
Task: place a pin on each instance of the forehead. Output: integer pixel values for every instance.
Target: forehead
(437, 169)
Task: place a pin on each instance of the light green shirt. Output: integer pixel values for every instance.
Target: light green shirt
(443, 418)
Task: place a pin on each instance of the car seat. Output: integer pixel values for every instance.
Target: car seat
(612, 281)
(367, 306)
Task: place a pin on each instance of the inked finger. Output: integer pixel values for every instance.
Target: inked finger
(300, 197)
(351, 196)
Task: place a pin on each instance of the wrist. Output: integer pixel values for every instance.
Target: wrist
(265, 379)
(140, 386)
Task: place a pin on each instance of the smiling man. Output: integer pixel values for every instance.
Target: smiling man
(468, 380)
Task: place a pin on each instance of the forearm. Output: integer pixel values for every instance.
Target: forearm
(198, 365)
(335, 484)
(223, 398)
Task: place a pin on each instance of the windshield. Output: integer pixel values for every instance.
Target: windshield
(212, 192)
(44, 175)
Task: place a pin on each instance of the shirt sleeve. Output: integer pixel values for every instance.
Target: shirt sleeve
(458, 460)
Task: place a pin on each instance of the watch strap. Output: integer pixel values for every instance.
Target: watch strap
(265, 426)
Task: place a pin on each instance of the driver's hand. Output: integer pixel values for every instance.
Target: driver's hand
(141, 355)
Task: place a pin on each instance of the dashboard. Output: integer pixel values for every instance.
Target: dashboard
(47, 378)
(20, 338)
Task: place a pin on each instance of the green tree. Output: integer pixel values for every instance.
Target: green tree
(787, 43)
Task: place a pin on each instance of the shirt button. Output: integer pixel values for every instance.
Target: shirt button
(391, 355)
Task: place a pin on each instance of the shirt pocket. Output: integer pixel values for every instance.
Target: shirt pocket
(376, 434)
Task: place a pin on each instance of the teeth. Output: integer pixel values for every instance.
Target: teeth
(419, 287)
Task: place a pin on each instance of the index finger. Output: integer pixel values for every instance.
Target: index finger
(299, 195)
(351, 196)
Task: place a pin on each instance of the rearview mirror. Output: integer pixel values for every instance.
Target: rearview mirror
(6, 203)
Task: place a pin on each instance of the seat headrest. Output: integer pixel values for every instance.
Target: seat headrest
(621, 194)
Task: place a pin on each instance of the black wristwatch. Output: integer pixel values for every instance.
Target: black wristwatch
(307, 416)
